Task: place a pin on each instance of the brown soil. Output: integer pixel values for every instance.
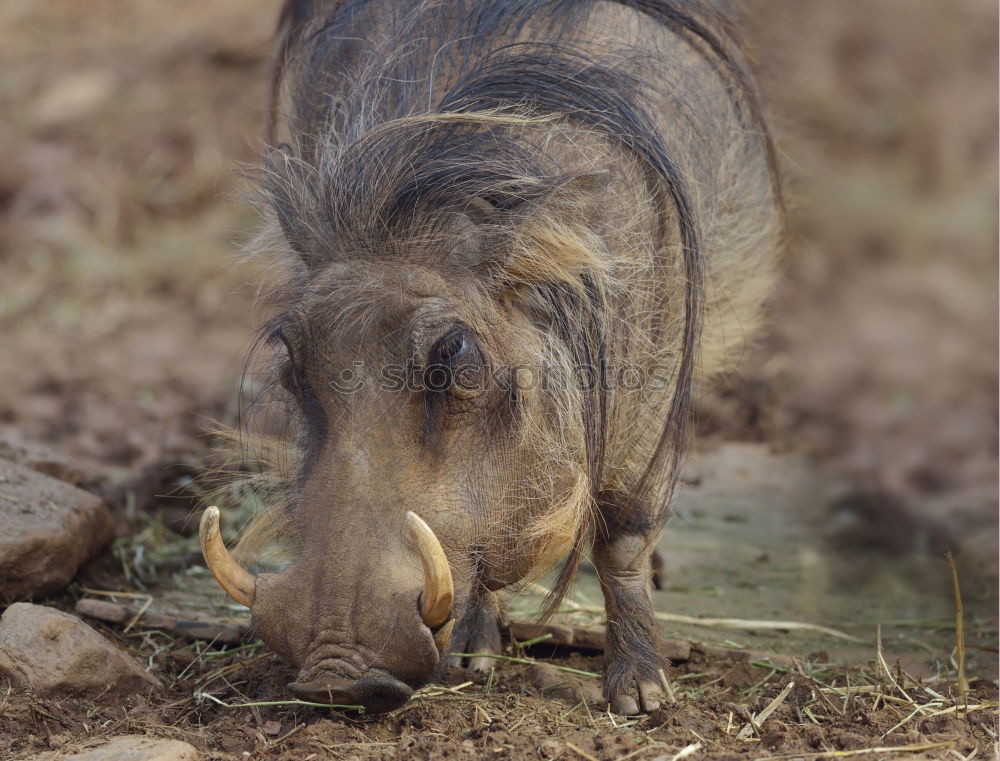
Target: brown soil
(501, 715)
(125, 315)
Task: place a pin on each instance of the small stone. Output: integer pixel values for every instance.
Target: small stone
(552, 682)
(56, 653)
(272, 728)
(676, 650)
(129, 748)
(50, 529)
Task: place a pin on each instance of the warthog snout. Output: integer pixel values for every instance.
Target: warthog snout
(374, 693)
(343, 662)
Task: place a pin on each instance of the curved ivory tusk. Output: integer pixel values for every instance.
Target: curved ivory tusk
(237, 581)
(443, 636)
(439, 593)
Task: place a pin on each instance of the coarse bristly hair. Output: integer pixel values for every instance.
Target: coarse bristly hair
(390, 118)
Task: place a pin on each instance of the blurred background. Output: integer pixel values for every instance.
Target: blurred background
(126, 309)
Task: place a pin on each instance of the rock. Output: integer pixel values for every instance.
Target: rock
(210, 631)
(49, 529)
(56, 653)
(552, 682)
(677, 650)
(129, 748)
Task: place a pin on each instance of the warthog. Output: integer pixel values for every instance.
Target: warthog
(517, 234)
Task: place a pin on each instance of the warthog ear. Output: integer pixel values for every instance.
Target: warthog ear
(287, 185)
(475, 231)
(557, 240)
(483, 232)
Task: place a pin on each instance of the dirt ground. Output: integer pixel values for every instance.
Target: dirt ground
(126, 310)
(505, 715)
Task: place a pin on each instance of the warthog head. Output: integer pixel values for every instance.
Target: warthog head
(425, 476)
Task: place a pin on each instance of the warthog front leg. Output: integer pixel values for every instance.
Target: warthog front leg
(631, 655)
(477, 632)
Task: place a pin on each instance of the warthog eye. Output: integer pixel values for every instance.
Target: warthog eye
(452, 346)
(455, 364)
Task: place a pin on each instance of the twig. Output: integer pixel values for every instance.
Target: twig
(959, 631)
(966, 708)
(288, 734)
(686, 751)
(611, 717)
(487, 719)
(885, 666)
(535, 640)
(819, 692)
(903, 721)
(440, 689)
(671, 698)
(196, 659)
(756, 721)
(581, 752)
(529, 661)
(516, 724)
(228, 633)
(972, 753)
(750, 623)
(145, 606)
(861, 751)
(112, 593)
(567, 713)
(207, 696)
(225, 670)
(234, 650)
(39, 710)
(489, 680)
(721, 623)
(857, 689)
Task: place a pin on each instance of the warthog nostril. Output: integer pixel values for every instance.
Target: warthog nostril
(376, 694)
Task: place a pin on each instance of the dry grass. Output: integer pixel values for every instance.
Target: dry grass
(718, 703)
